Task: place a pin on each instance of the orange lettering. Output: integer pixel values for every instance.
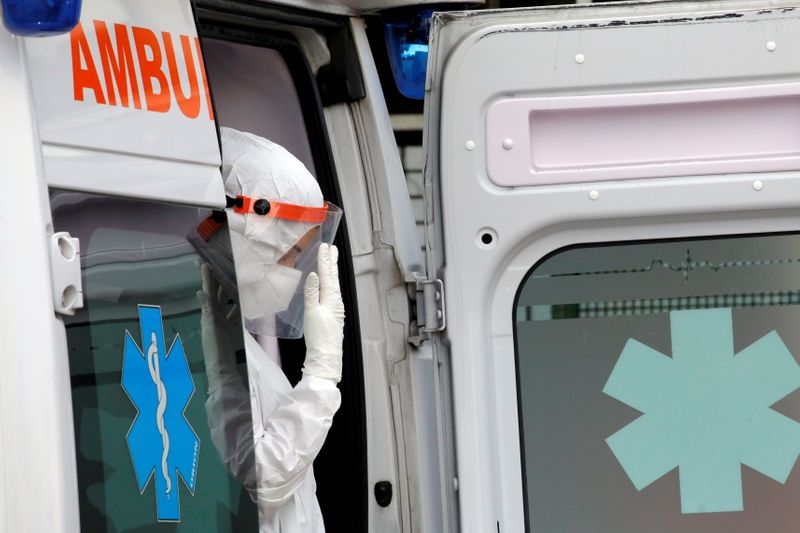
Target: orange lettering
(205, 79)
(151, 70)
(119, 65)
(84, 78)
(190, 106)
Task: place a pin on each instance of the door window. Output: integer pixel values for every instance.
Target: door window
(146, 458)
(658, 386)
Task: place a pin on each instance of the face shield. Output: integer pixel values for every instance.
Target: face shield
(274, 247)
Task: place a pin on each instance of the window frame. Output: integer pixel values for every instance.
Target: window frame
(644, 240)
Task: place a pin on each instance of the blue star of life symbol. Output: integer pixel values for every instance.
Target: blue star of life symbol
(161, 442)
(706, 410)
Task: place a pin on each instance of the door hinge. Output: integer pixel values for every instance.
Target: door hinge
(65, 269)
(427, 297)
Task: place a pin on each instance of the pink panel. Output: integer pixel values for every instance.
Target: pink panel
(534, 141)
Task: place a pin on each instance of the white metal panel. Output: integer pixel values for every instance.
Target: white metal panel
(38, 479)
(386, 252)
(479, 59)
(371, 270)
(392, 202)
(532, 141)
(397, 380)
(127, 88)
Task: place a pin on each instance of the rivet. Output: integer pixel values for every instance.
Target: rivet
(580, 58)
(469, 145)
(508, 144)
(771, 46)
(594, 195)
(757, 185)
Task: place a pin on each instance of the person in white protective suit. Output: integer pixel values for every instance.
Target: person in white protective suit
(278, 226)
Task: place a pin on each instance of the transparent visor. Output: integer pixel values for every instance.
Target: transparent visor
(296, 264)
(270, 291)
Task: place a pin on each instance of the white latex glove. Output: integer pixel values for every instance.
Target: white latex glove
(324, 317)
(219, 325)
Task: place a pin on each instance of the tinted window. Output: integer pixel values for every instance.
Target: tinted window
(140, 279)
(658, 387)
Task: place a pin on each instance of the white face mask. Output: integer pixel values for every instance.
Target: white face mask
(266, 289)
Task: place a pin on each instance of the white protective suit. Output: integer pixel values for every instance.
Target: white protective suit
(289, 425)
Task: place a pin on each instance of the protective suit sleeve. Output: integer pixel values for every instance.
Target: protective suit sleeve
(228, 404)
(272, 462)
(291, 438)
(231, 427)
(218, 327)
(272, 453)
(295, 431)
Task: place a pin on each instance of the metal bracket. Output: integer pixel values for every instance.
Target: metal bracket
(428, 299)
(65, 270)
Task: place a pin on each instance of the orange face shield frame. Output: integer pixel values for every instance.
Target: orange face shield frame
(260, 206)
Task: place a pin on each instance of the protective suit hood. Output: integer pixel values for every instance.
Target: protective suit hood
(256, 167)
(273, 252)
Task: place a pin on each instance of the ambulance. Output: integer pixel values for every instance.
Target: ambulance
(598, 333)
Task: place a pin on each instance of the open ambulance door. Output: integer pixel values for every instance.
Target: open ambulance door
(129, 169)
(613, 210)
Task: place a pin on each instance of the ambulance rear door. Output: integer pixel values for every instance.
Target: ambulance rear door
(613, 199)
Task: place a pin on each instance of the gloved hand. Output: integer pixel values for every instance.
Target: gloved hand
(219, 325)
(324, 317)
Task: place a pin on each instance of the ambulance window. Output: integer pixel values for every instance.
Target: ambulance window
(649, 374)
(150, 443)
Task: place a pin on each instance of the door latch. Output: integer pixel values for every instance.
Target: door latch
(428, 298)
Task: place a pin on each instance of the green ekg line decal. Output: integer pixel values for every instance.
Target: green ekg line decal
(685, 267)
(706, 411)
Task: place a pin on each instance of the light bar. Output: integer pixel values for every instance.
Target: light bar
(40, 17)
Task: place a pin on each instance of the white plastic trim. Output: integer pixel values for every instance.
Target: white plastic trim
(65, 268)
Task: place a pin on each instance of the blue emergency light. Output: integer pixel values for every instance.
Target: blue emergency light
(407, 44)
(40, 17)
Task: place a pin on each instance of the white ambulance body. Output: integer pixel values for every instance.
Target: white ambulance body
(598, 332)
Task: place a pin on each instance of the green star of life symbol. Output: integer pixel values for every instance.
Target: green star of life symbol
(705, 410)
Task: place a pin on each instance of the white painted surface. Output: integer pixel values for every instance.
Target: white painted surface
(567, 139)
(38, 480)
(398, 377)
(479, 59)
(155, 143)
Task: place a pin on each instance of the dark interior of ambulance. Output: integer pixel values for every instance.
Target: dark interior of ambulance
(262, 83)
